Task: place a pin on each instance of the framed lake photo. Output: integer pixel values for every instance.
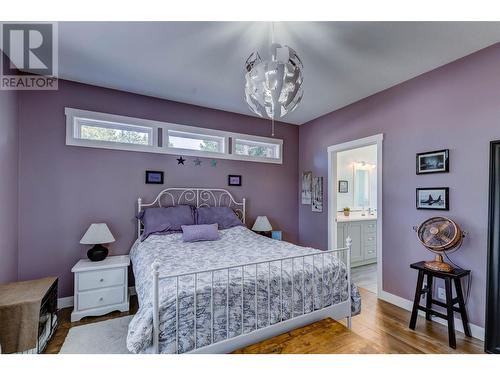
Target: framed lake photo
(433, 162)
(433, 198)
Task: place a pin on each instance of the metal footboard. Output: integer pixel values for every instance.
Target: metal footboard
(337, 309)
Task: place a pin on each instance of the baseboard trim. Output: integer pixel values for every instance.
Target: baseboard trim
(476, 331)
(65, 302)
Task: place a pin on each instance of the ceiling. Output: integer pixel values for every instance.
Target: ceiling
(202, 63)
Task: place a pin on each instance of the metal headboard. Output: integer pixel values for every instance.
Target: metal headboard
(196, 197)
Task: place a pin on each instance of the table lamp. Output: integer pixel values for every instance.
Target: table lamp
(262, 224)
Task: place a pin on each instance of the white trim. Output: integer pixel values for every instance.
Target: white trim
(64, 302)
(228, 153)
(476, 331)
(332, 203)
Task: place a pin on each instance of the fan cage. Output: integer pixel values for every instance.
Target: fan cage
(452, 245)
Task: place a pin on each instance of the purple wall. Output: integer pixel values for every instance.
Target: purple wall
(8, 186)
(456, 107)
(64, 188)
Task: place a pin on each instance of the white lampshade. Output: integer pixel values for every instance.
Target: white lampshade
(97, 234)
(262, 224)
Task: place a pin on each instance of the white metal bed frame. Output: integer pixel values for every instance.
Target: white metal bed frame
(207, 197)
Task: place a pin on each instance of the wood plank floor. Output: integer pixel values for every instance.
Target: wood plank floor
(380, 328)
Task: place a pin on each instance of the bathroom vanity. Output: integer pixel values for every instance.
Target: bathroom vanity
(363, 233)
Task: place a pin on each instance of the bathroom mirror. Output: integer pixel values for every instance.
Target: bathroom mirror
(361, 187)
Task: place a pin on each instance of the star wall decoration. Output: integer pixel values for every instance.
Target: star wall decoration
(197, 162)
(181, 160)
(213, 163)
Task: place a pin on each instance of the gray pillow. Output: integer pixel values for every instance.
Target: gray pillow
(223, 216)
(203, 232)
(165, 220)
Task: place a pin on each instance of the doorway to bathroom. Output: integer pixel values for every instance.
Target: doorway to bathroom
(355, 207)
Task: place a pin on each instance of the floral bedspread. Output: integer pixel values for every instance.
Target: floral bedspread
(321, 278)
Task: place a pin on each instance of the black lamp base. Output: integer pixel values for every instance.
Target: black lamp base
(97, 253)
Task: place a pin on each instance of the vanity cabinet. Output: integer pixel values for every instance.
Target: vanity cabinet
(364, 240)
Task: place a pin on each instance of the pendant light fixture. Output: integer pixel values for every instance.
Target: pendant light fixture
(273, 87)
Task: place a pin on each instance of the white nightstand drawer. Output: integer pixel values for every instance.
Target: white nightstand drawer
(101, 279)
(101, 297)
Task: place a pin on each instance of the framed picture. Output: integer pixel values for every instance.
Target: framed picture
(317, 194)
(433, 198)
(234, 180)
(306, 187)
(154, 177)
(343, 186)
(433, 162)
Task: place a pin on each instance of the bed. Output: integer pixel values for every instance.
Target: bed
(218, 296)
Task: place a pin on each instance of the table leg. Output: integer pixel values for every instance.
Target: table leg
(418, 292)
(428, 303)
(461, 304)
(449, 309)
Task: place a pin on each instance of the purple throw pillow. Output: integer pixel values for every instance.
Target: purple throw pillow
(203, 232)
(224, 216)
(165, 220)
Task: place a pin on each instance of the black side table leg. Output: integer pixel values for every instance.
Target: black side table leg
(461, 305)
(449, 309)
(418, 292)
(428, 303)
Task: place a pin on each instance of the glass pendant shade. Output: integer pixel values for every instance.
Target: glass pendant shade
(274, 87)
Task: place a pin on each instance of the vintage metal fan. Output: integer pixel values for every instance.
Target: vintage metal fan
(440, 235)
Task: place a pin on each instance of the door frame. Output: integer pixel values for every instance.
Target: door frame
(332, 150)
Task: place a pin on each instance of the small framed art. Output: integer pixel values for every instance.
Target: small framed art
(306, 187)
(343, 186)
(317, 194)
(433, 162)
(233, 180)
(433, 198)
(154, 177)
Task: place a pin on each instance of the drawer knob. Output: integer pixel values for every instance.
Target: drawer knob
(101, 280)
(101, 299)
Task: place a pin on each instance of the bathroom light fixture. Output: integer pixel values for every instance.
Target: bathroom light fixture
(364, 165)
(273, 87)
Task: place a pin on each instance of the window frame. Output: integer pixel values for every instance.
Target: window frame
(160, 132)
(75, 114)
(258, 139)
(195, 130)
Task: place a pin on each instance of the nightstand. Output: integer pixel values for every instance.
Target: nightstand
(100, 287)
(274, 234)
